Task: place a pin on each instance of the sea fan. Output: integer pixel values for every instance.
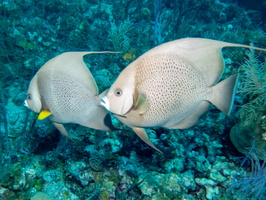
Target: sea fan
(252, 86)
(254, 183)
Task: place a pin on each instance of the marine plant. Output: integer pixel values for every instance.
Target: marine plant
(254, 183)
(252, 86)
(251, 126)
(159, 23)
(117, 34)
(130, 55)
(251, 113)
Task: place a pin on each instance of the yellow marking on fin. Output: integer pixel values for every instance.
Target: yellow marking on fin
(43, 114)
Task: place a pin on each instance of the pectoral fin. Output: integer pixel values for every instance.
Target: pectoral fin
(140, 103)
(62, 129)
(44, 114)
(143, 135)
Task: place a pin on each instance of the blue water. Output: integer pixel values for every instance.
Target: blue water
(37, 162)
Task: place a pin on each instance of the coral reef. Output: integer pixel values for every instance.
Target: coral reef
(252, 184)
(198, 163)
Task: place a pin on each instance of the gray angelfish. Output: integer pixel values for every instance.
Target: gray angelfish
(172, 86)
(65, 91)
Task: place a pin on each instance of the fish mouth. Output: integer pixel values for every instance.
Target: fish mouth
(104, 102)
(25, 103)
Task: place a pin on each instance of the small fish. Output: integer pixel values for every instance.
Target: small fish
(172, 86)
(65, 91)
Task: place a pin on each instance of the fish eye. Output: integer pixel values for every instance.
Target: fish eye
(29, 97)
(118, 92)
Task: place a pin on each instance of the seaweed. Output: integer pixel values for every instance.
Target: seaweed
(253, 184)
(252, 87)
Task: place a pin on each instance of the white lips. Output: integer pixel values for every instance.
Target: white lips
(25, 103)
(105, 103)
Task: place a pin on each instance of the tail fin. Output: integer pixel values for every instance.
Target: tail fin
(223, 94)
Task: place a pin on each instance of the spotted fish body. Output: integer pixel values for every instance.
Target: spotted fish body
(167, 88)
(65, 91)
(171, 86)
(68, 100)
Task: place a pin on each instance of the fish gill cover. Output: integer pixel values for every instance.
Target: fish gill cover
(197, 163)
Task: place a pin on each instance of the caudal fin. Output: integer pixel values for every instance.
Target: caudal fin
(223, 94)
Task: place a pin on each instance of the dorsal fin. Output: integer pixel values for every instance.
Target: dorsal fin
(72, 65)
(205, 54)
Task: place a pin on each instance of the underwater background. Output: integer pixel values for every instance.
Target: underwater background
(223, 157)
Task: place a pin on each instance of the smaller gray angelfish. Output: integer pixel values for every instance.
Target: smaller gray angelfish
(172, 86)
(65, 91)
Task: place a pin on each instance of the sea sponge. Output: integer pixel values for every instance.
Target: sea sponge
(96, 160)
(130, 55)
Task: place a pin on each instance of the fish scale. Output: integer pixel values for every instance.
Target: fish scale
(168, 83)
(66, 98)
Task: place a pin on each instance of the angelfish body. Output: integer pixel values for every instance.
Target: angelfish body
(65, 91)
(68, 100)
(171, 86)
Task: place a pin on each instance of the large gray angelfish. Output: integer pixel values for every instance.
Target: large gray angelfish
(65, 91)
(172, 86)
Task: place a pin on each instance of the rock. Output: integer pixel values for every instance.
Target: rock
(6, 194)
(211, 191)
(41, 196)
(52, 176)
(81, 171)
(176, 164)
(166, 186)
(205, 181)
(210, 185)
(217, 176)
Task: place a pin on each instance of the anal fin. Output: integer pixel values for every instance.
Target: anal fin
(62, 130)
(143, 135)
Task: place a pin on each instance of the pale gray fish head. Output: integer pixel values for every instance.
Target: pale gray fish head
(120, 97)
(117, 102)
(33, 99)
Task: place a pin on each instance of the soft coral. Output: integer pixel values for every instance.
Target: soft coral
(254, 183)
